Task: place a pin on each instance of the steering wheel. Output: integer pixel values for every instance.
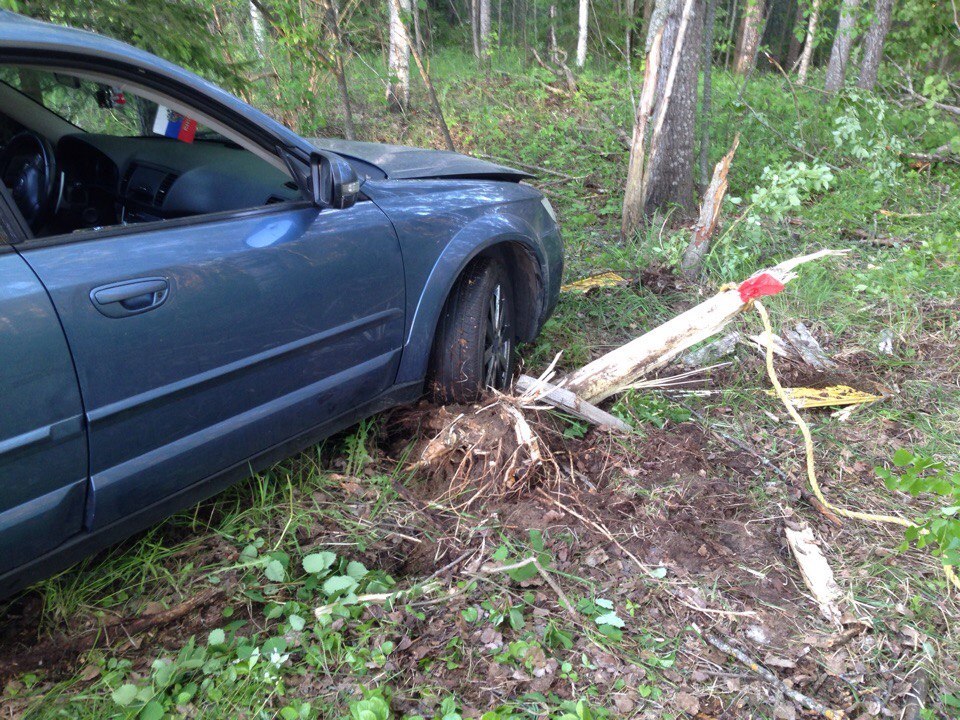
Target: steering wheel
(28, 166)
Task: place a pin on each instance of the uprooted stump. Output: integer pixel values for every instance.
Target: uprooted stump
(482, 452)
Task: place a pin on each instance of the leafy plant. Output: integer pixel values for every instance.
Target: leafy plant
(940, 527)
(603, 614)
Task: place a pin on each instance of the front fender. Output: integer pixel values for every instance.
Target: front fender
(478, 236)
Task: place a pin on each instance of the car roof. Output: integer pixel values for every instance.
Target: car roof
(18, 32)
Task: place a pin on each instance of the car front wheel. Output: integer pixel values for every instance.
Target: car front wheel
(474, 344)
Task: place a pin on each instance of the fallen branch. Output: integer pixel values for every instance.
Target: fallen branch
(535, 390)
(942, 154)
(380, 598)
(798, 697)
(63, 646)
(564, 602)
(806, 344)
(620, 368)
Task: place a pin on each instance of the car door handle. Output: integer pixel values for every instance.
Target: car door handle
(130, 297)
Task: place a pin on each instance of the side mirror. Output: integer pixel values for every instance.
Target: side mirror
(333, 181)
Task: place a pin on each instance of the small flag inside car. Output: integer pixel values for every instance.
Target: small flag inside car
(174, 125)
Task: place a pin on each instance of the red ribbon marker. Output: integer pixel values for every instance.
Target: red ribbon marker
(759, 286)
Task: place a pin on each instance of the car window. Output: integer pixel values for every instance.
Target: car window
(97, 108)
(78, 154)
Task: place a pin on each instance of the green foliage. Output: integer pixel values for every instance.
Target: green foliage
(602, 612)
(177, 31)
(939, 527)
(784, 188)
(373, 707)
(649, 406)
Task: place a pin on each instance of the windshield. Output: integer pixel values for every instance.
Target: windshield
(97, 108)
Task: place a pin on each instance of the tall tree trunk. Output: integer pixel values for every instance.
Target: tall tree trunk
(259, 29)
(750, 28)
(793, 52)
(707, 95)
(648, 6)
(417, 36)
(661, 169)
(842, 44)
(873, 44)
(475, 26)
(807, 56)
(485, 23)
(732, 39)
(584, 20)
(629, 11)
(398, 89)
(340, 70)
(554, 48)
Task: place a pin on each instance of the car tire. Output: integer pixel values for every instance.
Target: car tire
(474, 347)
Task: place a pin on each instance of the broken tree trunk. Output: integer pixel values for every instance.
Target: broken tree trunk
(565, 400)
(709, 214)
(619, 368)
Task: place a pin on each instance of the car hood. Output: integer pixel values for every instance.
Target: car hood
(399, 162)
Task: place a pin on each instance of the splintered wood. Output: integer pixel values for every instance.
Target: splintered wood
(709, 213)
(816, 572)
(620, 368)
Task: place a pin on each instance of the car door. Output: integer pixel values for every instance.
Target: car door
(43, 448)
(199, 343)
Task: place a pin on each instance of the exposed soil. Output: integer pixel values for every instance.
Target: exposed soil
(610, 511)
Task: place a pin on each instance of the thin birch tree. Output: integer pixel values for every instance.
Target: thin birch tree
(583, 22)
(806, 57)
(398, 85)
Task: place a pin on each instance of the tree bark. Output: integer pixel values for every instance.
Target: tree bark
(750, 29)
(842, 44)
(259, 29)
(648, 6)
(662, 174)
(811, 40)
(707, 94)
(554, 48)
(584, 19)
(793, 51)
(475, 26)
(398, 89)
(629, 11)
(484, 12)
(873, 44)
(732, 40)
(633, 196)
(668, 176)
(340, 70)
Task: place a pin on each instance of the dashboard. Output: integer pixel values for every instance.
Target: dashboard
(110, 180)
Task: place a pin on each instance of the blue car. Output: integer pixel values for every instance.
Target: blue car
(189, 291)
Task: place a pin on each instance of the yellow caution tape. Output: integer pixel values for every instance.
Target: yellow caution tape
(781, 393)
(833, 396)
(584, 285)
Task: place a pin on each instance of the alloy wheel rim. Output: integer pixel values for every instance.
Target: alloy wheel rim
(496, 347)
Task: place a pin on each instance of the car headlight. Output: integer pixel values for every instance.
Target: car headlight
(549, 208)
